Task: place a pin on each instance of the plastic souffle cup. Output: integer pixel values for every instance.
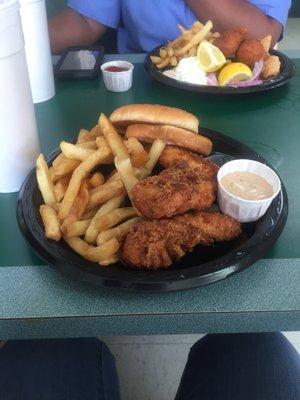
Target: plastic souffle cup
(117, 81)
(240, 209)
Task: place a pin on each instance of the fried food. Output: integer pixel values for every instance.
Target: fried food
(229, 41)
(173, 191)
(156, 244)
(251, 51)
(271, 67)
(177, 157)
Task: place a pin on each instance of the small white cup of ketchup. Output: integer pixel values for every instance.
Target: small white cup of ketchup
(246, 189)
(117, 75)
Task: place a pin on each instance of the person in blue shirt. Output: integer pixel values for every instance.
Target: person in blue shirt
(143, 25)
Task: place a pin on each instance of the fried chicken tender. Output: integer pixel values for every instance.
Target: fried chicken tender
(156, 244)
(177, 157)
(251, 51)
(174, 191)
(229, 41)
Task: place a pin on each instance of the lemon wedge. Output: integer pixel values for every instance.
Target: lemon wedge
(210, 58)
(234, 72)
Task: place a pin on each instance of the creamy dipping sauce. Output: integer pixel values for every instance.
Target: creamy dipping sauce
(247, 186)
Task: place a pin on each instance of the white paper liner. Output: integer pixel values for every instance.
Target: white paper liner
(240, 209)
(117, 81)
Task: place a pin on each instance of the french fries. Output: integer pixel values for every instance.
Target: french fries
(118, 231)
(91, 253)
(97, 179)
(79, 173)
(92, 230)
(114, 217)
(51, 222)
(45, 183)
(125, 169)
(75, 152)
(113, 138)
(77, 228)
(84, 202)
(185, 45)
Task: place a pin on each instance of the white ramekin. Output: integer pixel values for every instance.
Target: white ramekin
(117, 81)
(240, 209)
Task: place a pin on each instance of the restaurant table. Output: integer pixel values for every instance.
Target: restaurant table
(37, 301)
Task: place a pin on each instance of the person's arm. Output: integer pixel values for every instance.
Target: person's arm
(231, 14)
(70, 28)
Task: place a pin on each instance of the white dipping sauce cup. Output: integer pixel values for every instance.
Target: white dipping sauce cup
(240, 209)
(117, 81)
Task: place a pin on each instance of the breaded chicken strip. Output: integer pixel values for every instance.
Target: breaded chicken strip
(174, 191)
(156, 244)
(176, 157)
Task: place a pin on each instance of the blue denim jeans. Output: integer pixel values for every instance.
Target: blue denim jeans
(258, 366)
(60, 369)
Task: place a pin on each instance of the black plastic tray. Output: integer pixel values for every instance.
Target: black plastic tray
(287, 71)
(202, 266)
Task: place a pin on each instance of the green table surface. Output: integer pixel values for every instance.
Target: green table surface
(36, 301)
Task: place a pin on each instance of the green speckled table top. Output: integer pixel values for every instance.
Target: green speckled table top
(36, 301)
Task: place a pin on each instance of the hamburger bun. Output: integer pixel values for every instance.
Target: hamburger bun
(172, 136)
(154, 114)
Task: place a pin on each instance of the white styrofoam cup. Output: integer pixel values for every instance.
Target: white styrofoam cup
(240, 209)
(37, 48)
(18, 132)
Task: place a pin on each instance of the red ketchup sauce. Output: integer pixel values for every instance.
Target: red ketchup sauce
(116, 69)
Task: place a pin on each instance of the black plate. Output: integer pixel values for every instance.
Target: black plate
(287, 71)
(202, 266)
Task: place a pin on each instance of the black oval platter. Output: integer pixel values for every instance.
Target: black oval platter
(287, 71)
(202, 266)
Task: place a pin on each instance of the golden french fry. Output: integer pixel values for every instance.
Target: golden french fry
(78, 207)
(177, 42)
(77, 228)
(97, 179)
(173, 61)
(163, 53)
(96, 131)
(193, 51)
(266, 42)
(78, 175)
(91, 253)
(75, 152)
(139, 159)
(61, 187)
(156, 60)
(90, 214)
(83, 136)
(181, 28)
(118, 231)
(196, 27)
(50, 222)
(133, 145)
(114, 217)
(91, 144)
(105, 192)
(58, 160)
(164, 63)
(108, 261)
(155, 151)
(102, 143)
(170, 51)
(113, 138)
(65, 167)
(125, 169)
(112, 204)
(44, 181)
(197, 38)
